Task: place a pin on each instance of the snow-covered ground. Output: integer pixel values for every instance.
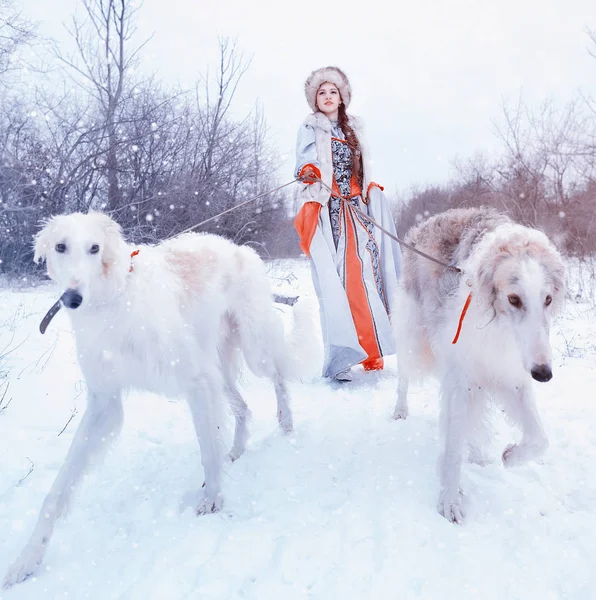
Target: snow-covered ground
(343, 508)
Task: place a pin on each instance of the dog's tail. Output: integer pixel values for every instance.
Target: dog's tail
(302, 355)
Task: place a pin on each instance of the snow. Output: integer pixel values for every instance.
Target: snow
(345, 507)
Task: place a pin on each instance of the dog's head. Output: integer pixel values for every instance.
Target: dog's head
(521, 277)
(83, 254)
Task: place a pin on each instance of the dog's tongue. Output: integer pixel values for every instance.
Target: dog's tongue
(50, 315)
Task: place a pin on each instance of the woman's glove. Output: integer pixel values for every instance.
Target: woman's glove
(309, 174)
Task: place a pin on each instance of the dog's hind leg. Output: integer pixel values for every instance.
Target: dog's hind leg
(205, 401)
(407, 332)
(239, 408)
(278, 365)
(522, 408)
(455, 397)
(401, 405)
(100, 424)
(271, 367)
(284, 412)
(263, 345)
(242, 416)
(228, 353)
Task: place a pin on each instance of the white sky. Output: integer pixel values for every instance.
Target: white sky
(427, 76)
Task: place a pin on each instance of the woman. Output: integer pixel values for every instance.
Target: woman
(354, 265)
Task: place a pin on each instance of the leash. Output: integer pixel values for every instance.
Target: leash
(393, 237)
(238, 206)
(278, 298)
(416, 251)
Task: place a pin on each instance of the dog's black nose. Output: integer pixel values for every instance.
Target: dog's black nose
(72, 299)
(542, 373)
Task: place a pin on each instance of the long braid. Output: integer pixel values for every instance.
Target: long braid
(353, 142)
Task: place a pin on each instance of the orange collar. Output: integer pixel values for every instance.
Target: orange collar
(461, 317)
(132, 255)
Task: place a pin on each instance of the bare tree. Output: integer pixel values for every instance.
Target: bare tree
(103, 66)
(159, 160)
(15, 32)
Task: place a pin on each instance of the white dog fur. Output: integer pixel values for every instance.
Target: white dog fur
(171, 320)
(516, 278)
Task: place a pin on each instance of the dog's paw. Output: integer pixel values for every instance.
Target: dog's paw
(235, 454)
(518, 454)
(285, 421)
(512, 456)
(208, 506)
(400, 413)
(451, 507)
(24, 567)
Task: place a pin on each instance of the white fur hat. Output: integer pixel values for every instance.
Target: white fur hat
(327, 74)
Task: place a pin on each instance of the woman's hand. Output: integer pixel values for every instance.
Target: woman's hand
(309, 177)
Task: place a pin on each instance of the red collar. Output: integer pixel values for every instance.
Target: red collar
(132, 255)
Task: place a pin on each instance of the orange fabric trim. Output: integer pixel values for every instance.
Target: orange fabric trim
(357, 298)
(373, 184)
(375, 364)
(355, 189)
(305, 223)
(132, 255)
(309, 168)
(461, 317)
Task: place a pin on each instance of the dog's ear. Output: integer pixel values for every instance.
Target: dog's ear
(486, 289)
(43, 241)
(553, 265)
(113, 250)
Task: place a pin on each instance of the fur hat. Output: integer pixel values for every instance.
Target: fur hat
(327, 74)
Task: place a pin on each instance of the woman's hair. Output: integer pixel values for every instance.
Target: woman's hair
(353, 142)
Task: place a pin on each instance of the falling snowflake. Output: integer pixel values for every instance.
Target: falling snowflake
(153, 126)
(171, 207)
(134, 148)
(419, 217)
(149, 217)
(562, 214)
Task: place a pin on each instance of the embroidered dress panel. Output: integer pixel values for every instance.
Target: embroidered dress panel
(342, 172)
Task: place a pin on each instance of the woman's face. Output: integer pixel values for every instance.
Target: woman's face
(328, 100)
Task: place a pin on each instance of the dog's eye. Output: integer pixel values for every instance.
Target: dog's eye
(548, 300)
(94, 249)
(61, 248)
(514, 300)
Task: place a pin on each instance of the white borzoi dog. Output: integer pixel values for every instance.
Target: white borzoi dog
(170, 320)
(513, 283)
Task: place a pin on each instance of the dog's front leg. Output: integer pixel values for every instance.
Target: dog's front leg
(100, 423)
(534, 442)
(401, 405)
(455, 397)
(206, 403)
